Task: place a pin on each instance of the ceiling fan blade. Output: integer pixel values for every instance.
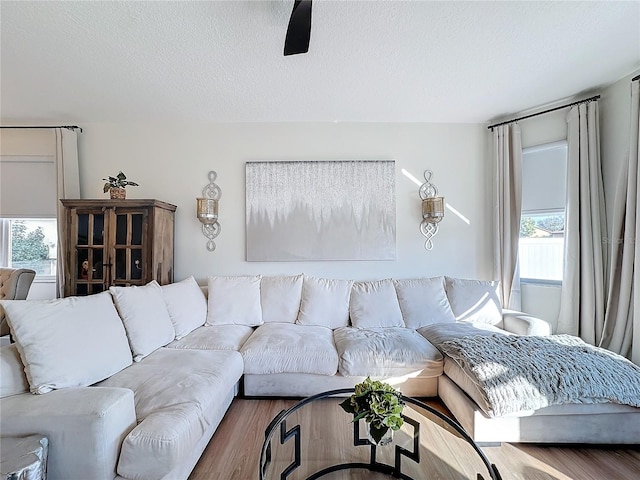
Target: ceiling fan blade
(299, 30)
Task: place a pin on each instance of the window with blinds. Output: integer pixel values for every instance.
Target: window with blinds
(544, 180)
(28, 201)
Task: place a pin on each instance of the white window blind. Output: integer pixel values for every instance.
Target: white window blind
(27, 173)
(544, 178)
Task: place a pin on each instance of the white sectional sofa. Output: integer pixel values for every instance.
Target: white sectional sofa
(132, 383)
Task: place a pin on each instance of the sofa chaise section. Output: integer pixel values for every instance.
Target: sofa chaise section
(582, 420)
(178, 412)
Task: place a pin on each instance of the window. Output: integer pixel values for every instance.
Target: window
(541, 246)
(31, 243)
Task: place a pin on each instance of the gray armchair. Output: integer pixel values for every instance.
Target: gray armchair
(14, 285)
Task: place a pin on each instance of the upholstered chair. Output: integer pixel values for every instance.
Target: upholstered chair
(14, 285)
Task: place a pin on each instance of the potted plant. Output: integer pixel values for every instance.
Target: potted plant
(116, 185)
(381, 407)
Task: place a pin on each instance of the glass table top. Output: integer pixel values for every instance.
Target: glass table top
(316, 438)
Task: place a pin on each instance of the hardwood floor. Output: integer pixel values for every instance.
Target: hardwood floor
(234, 453)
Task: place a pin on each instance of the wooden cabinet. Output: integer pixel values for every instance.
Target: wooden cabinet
(116, 242)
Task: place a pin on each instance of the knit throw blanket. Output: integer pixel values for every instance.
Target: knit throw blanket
(526, 373)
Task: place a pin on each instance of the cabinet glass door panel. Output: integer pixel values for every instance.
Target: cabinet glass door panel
(136, 229)
(83, 264)
(122, 229)
(98, 264)
(121, 264)
(98, 229)
(136, 264)
(83, 229)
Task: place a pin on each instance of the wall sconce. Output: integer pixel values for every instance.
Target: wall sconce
(207, 210)
(432, 209)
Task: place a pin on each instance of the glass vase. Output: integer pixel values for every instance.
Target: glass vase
(386, 439)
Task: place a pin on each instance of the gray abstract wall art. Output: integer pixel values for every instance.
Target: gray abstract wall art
(320, 210)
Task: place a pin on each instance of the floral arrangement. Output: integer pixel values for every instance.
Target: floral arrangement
(379, 404)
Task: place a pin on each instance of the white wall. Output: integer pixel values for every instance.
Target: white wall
(171, 161)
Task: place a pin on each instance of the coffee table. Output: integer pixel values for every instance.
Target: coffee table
(317, 439)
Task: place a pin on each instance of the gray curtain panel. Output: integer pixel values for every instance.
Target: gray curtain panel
(583, 294)
(507, 149)
(622, 301)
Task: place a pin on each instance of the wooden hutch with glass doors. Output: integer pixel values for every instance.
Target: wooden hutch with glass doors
(117, 242)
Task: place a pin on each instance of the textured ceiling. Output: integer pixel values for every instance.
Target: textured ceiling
(368, 61)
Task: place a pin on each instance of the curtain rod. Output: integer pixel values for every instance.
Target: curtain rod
(68, 127)
(591, 99)
(637, 77)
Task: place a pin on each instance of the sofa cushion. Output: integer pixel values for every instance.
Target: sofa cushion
(474, 300)
(173, 411)
(423, 301)
(186, 304)
(441, 332)
(12, 377)
(215, 337)
(145, 317)
(69, 342)
(325, 302)
(280, 298)
(374, 304)
(234, 301)
(290, 348)
(385, 352)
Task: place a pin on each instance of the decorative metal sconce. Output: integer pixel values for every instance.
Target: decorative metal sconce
(207, 210)
(432, 209)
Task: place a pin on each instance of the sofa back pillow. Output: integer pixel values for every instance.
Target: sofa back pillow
(69, 342)
(374, 304)
(187, 306)
(423, 301)
(13, 380)
(234, 301)
(280, 298)
(325, 302)
(145, 317)
(474, 300)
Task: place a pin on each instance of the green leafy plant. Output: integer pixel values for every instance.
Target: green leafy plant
(119, 181)
(379, 404)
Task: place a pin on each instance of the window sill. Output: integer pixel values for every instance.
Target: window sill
(44, 279)
(541, 282)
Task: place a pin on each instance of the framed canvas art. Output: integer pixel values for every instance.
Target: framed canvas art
(320, 210)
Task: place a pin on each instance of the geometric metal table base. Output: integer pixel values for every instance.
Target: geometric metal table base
(395, 470)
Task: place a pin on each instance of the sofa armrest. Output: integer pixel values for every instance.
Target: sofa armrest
(522, 323)
(85, 427)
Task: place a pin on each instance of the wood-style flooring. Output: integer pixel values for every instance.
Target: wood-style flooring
(234, 453)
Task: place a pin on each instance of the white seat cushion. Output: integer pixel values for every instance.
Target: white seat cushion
(69, 342)
(215, 337)
(172, 410)
(385, 352)
(186, 304)
(375, 304)
(145, 317)
(474, 300)
(280, 298)
(290, 348)
(234, 301)
(423, 301)
(325, 302)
